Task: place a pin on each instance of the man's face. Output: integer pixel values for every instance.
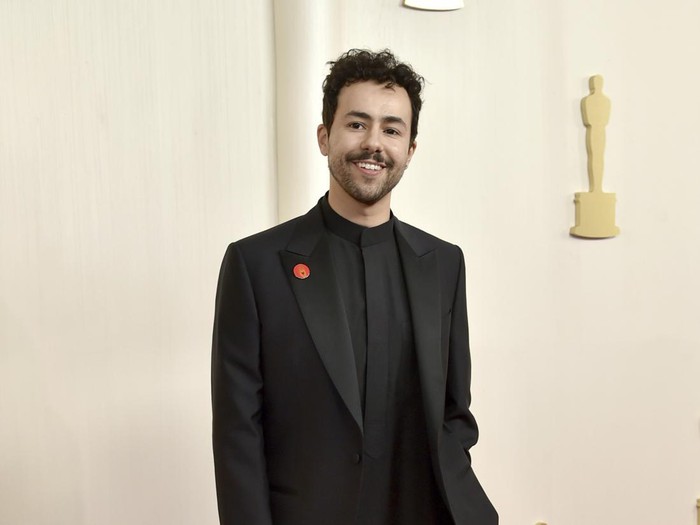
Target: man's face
(369, 147)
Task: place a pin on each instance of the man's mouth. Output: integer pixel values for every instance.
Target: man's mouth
(370, 166)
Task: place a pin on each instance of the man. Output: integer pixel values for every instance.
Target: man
(341, 368)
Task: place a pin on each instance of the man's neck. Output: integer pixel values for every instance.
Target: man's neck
(368, 215)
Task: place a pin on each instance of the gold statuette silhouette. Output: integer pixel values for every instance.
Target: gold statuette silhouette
(595, 210)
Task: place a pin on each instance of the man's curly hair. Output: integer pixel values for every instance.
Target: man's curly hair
(360, 65)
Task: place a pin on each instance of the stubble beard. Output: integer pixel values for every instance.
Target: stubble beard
(363, 189)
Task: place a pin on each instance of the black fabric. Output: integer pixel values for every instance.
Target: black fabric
(396, 462)
(288, 429)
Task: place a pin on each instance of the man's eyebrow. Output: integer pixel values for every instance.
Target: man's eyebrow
(390, 119)
(358, 114)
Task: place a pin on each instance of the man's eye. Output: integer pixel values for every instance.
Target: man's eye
(392, 131)
(356, 125)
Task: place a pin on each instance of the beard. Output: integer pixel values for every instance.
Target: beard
(362, 188)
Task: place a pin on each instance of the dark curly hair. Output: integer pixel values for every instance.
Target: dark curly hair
(359, 65)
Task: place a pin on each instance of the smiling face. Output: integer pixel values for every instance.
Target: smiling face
(368, 146)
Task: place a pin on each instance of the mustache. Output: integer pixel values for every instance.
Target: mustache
(364, 155)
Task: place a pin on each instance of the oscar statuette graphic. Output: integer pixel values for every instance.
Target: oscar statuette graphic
(595, 209)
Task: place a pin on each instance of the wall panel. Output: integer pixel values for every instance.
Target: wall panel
(136, 141)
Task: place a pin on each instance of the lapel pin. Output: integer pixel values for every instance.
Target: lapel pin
(301, 271)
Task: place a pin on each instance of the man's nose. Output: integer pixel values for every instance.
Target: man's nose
(372, 140)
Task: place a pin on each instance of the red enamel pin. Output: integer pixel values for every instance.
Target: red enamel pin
(301, 271)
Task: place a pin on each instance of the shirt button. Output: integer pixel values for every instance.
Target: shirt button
(356, 458)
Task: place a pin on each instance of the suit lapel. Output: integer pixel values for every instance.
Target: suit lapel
(321, 306)
(423, 286)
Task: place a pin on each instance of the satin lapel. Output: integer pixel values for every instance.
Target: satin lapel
(321, 306)
(423, 286)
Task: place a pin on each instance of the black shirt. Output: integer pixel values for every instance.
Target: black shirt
(398, 486)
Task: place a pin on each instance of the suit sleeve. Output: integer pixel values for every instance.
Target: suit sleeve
(458, 418)
(239, 459)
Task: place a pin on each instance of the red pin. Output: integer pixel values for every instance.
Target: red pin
(301, 271)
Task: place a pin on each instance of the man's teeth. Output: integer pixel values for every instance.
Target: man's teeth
(368, 166)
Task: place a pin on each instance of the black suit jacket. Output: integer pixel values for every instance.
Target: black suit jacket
(287, 419)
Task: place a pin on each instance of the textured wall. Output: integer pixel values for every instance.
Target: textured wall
(136, 140)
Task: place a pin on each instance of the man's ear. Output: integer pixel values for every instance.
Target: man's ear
(322, 137)
(411, 151)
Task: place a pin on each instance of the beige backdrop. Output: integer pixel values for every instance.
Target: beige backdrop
(138, 138)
